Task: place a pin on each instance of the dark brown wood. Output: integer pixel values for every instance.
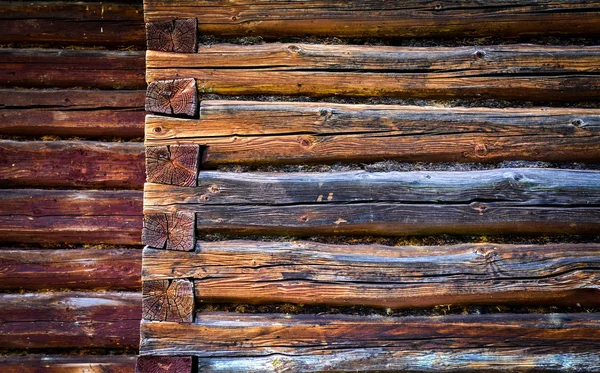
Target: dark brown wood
(164, 364)
(249, 132)
(66, 216)
(36, 269)
(389, 19)
(172, 97)
(32, 363)
(60, 23)
(83, 113)
(508, 72)
(383, 276)
(70, 320)
(168, 300)
(179, 35)
(71, 164)
(173, 164)
(169, 231)
(66, 68)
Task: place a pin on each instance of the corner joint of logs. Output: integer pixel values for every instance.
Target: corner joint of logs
(174, 231)
(179, 35)
(173, 164)
(176, 96)
(164, 364)
(168, 300)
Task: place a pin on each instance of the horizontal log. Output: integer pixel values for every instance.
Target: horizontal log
(68, 363)
(64, 23)
(35, 269)
(66, 216)
(72, 113)
(390, 19)
(246, 132)
(383, 276)
(234, 334)
(72, 164)
(70, 320)
(65, 68)
(509, 72)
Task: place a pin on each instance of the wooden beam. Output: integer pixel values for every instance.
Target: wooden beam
(164, 364)
(390, 19)
(71, 164)
(32, 363)
(176, 96)
(168, 300)
(507, 72)
(169, 231)
(179, 35)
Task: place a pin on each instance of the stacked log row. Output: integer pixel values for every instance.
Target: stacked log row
(71, 102)
(187, 194)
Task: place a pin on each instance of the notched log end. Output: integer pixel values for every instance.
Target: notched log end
(168, 300)
(178, 96)
(171, 231)
(164, 364)
(172, 164)
(179, 35)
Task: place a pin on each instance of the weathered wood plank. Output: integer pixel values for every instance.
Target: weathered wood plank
(59, 23)
(249, 132)
(35, 269)
(72, 113)
(71, 164)
(168, 300)
(164, 364)
(390, 19)
(66, 216)
(523, 72)
(68, 364)
(383, 276)
(65, 68)
(234, 334)
(70, 320)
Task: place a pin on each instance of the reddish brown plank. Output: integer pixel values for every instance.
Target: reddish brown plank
(174, 231)
(173, 164)
(163, 364)
(168, 300)
(176, 96)
(179, 35)
(45, 363)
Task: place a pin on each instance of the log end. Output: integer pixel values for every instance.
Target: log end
(173, 231)
(179, 35)
(178, 96)
(168, 300)
(173, 164)
(163, 364)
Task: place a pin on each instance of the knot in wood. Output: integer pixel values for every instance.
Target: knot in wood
(479, 54)
(481, 150)
(479, 206)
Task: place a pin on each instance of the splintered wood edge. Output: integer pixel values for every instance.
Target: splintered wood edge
(178, 35)
(164, 364)
(173, 164)
(176, 96)
(168, 300)
(171, 231)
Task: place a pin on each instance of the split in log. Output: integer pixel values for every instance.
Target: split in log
(172, 97)
(63, 216)
(246, 132)
(168, 300)
(65, 68)
(178, 35)
(507, 72)
(389, 19)
(31, 363)
(173, 164)
(169, 231)
(164, 364)
(71, 164)
(383, 276)
(60, 23)
(72, 113)
(36, 269)
(70, 320)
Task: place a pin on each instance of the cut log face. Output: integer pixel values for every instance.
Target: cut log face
(168, 301)
(173, 231)
(172, 36)
(174, 165)
(163, 364)
(176, 96)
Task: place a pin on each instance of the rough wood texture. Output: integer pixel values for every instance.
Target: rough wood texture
(166, 300)
(248, 132)
(66, 23)
(383, 276)
(173, 164)
(169, 231)
(163, 364)
(179, 35)
(389, 19)
(35, 269)
(510, 72)
(72, 113)
(63, 216)
(68, 364)
(64, 68)
(234, 334)
(71, 164)
(70, 320)
(172, 97)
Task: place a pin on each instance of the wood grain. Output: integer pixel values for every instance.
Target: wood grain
(390, 19)
(71, 164)
(176, 96)
(36, 269)
(246, 132)
(179, 35)
(66, 216)
(168, 300)
(174, 231)
(508, 72)
(173, 164)
(83, 113)
(164, 364)
(38, 363)
(70, 320)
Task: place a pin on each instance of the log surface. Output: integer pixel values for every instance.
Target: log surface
(45, 363)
